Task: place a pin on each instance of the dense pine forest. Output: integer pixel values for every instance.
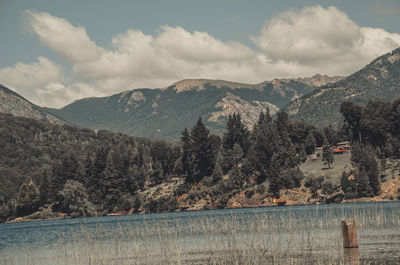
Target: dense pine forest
(80, 172)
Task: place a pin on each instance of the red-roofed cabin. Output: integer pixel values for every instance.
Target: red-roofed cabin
(279, 202)
(340, 150)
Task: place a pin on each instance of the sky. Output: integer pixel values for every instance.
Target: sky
(54, 52)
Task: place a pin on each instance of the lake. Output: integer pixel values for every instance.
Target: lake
(267, 235)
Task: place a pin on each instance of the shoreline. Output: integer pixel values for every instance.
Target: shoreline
(62, 216)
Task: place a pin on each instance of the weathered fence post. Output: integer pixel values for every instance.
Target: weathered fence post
(350, 242)
(351, 256)
(349, 232)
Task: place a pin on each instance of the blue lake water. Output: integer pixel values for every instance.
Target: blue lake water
(251, 235)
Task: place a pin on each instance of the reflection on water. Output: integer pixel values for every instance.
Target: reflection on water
(276, 235)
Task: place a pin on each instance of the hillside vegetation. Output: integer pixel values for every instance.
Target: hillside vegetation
(379, 79)
(81, 172)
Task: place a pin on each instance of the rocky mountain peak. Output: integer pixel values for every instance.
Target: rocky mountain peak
(200, 84)
(320, 80)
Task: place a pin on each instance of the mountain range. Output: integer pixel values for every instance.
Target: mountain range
(379, 79)
(165, 112)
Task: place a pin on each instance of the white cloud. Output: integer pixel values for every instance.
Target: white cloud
(310, 35)
(70, 42)
(41, 82)
(29, 79)
(323, 38)
(199, 46)
(296, 43)
(377, 41)
(138, 59)
(60, 93)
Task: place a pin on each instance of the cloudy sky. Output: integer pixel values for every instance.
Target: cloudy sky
(53, 52)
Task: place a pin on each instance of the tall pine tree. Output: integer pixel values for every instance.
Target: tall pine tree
(63, 171)
(44, 188)
(236, 132)
(203, 154)
(186, 152)
(93, 185)
(265, 137)
(327, 154)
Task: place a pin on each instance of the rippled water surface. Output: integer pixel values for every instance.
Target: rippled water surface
(270, 235)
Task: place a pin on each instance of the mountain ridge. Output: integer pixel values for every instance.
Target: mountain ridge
(165, 112)
(378, 79)
(15, 104)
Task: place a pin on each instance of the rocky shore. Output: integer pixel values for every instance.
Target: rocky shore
(299, 196)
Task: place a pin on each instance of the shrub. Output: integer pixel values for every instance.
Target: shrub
(328, 188)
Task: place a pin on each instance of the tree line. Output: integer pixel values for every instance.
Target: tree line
(374, 130)
(83, 172)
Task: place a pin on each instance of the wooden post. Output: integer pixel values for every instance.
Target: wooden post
(349, 232)
(351, 256)
(350, 242)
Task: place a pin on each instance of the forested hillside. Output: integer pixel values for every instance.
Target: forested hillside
(50, 155)
(81, 172)
(84, 172)
(379, 79)
(374, 128)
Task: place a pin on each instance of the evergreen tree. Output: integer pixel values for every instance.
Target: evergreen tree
(331, 135)
(186, 152)
(375, 124)
(394, 118)
(352, 114)
(74, 200)
(63, 171)
(203, 152)
(327, 154)
(87, 170)
(217, 171)
(165, 154)
(94, 187)
(275, 182)
(157, 174)
(236, 178)
(348, 186)
(115, 178)
(363, 189)
(364, 159)
(328, 188)
(236, 132)
(319, 136)
(282, 125)
(298, 131)
(310, 143)
(265, 137)
(291, 177)
(283, 172)
(237, 154)
(28, 199)
(302, 155)
(44, 188)
(111, 180)
(231, 157)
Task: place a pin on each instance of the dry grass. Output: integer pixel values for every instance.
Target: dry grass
(253, 237)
